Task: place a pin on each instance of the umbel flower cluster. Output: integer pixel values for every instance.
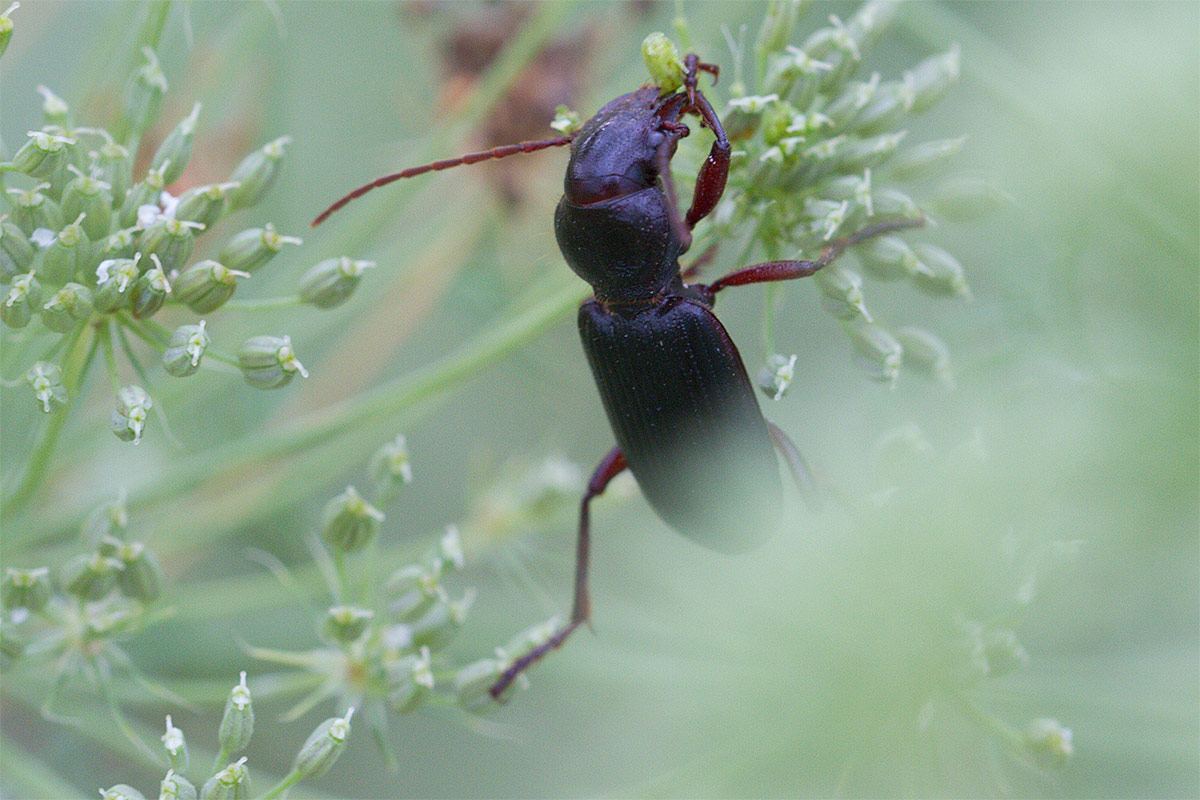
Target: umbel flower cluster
(96, 260)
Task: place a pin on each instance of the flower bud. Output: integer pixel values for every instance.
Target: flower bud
(67, 308)
(939, 274)
(349, 522)
(449, 550)
(43, 156)
(528, 640)
(254, 247)
(119, 244)
(925, 158)
(323, 746)
(90, 576)
(929, 81)
(841, 293)
(26, 588)
(231, 783)
(115, 168)
(31, 209)
(109, 519)
(256, 173)
(237, 723)
(331, 282)
(91, 199)
(171, 240)
(1004, 652)
(876, 351)
(204, 204)
(176, 787)
(150, 290)
(24, 298)
(185, 349)
(391, 467)
(206, 285)
(1050, 742)
(121, 791)
(144, 93)
(775, 378)
(268, 362)
(473, 682)
(129, 417)
(69, 251)
(176, 746)
(887, 258)
(440, 624)
(147, 192)
(412, 590)
(409, 681)
(172, 155)
(663, 62)
(965, 198)
(11, 649)
(45, 379)
(927, 353)
(16, 251)
(141, 577)
(344, 624)
(114, 283)
(6, 27)
(566, 121)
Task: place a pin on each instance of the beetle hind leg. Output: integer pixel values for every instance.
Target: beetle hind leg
(609, 467)
(801, 475)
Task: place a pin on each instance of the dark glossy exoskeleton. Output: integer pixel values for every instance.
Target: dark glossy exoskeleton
(682, 408)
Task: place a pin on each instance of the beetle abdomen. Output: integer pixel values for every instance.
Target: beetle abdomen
(686, 418)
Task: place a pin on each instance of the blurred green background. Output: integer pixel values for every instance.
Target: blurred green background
(791, 671)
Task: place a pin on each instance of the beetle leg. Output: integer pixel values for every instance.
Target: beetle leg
(801, 474)
(609, 467)
(710, 182)
(790, 270)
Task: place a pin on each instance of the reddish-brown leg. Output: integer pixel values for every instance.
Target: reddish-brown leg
(609, 467)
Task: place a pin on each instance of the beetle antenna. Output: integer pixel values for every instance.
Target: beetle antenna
(469, 158)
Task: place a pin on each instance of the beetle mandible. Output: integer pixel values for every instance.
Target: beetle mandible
(682, 408)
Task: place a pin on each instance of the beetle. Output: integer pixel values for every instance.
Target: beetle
(682, 409)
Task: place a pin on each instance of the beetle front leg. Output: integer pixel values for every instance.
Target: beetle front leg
(710, 182)
(609, 467)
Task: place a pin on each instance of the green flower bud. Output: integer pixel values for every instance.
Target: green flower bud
(473, 682)
(344, 624)
(69, 251)
(46, 381)
(391, 466)
(144, 93)
(6, 27)
(931, 79)
(894, 203)
(886, 107)
(26, 588)
(349, 522)
(121, 792)
(16, 251)
(857, 95)
(204, 204)
(965, 198)
(150, 290)
(115, 168)
(927, 353)
(176, 746)
(119, 244)
(887, 258)
(24, 298)
(115, 278)
(412, 590)
(141, 577)
(331, 282)
(663, 62)
(176, 787)
(440, 624)
(109, 519)
(129, 417)
(55, 110)
(31, 209)
(185, 349)
(206, 285)
(776, 29)
(254, 247)
(744, 114)
(268, 362)
(43, 155)
(171, 240)
(323, 746)
(1004, 652)
(237, 723)
(925, 158)
(775, 378)
(67, 308)
(940, 274)
(528, 640)
(91, 199)
(90, 576)
(449, 550)
(876, 351)
(565, 121)
(11, 649)
(173, 154)
(256, 173)
(1049, 742)
(148, 192)
(409, 681)
(841, 293)
(231, 783)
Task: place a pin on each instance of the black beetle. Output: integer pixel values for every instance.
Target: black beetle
(682, 408)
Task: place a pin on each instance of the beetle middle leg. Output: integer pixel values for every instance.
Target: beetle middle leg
(609, 467)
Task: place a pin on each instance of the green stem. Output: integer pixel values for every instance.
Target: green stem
(289, 780)
(264, 304)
